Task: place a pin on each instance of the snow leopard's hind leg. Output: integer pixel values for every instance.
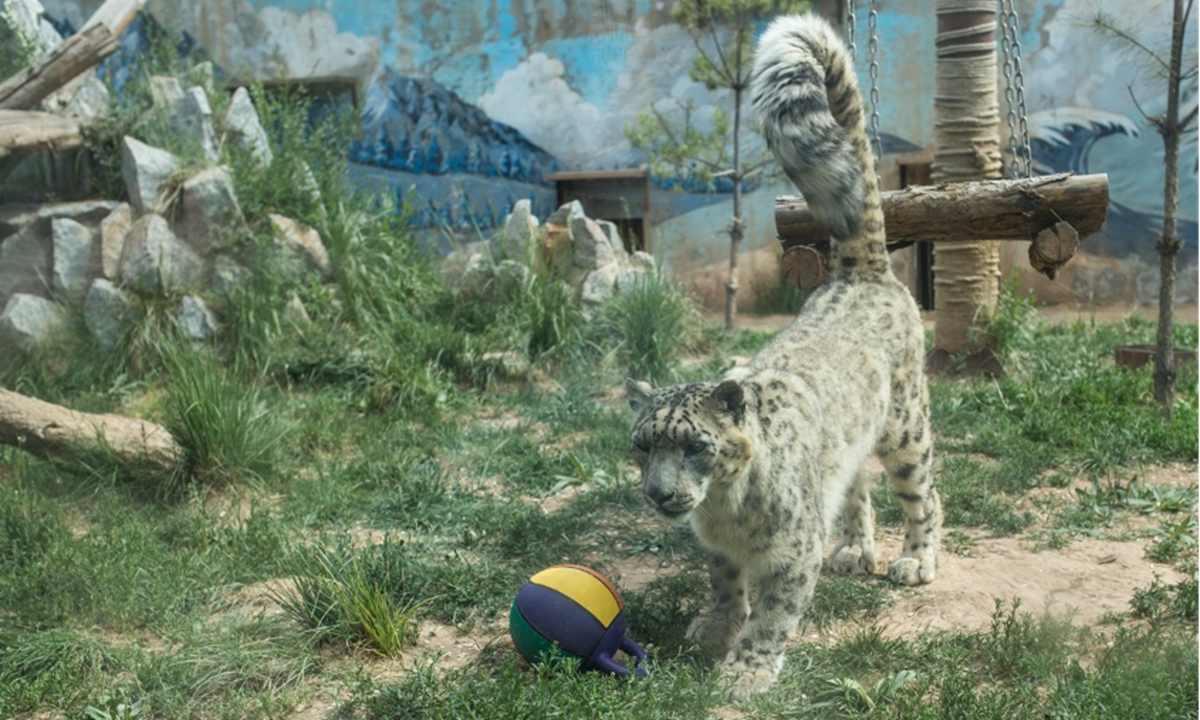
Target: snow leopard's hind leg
(855, 551)
(907, 455)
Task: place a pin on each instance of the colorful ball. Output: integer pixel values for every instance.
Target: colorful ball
(572, 612)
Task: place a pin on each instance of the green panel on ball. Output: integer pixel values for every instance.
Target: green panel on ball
(531, 644)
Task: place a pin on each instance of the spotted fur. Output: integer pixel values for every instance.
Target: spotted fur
(764, 461)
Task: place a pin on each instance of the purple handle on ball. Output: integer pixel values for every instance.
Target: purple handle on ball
(604, 661)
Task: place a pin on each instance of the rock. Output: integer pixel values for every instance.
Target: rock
(26, 19)
(597, 287)
(195, 320)
(510, 278)
(228, 276)
(592, 249)
(520, 229)
(29, 320)
(610, 231)
(74, 257)
(295, 312)
(85, 97)
(244, 128)
(113, 229)
(25, 261)
(301, 249)
(108, 313)
(628, 279)
(209, 215)
(192, 121)
(155, 260)
(165, 94)
(477, 274)
(203, 75)
(643, 259)
(145, 169)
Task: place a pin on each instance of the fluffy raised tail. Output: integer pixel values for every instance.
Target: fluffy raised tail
(806, 95)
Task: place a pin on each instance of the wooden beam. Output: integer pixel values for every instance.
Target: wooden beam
(115, 15)
(968, 211)
(29, 130)
(72, 57)
(53, 431)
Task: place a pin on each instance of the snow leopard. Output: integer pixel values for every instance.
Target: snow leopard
(764, 460)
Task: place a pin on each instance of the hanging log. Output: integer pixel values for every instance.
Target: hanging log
(968, 211)
(28, 130)
(53, 431)
(1050, 211)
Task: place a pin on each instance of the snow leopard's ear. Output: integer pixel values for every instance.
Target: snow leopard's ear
(639, 393)
(728, 397)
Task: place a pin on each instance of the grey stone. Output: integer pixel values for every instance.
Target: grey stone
(75, 257)
(26, 17)
(614, 240)
(592, 249)
(165, 94)
(203, 75)
(295, 312)
(113, 229)
(520, 229)
(25, 261)
(244, 128)
(598, 285)
(192, 120)
(629, 278)
(29, 320)
(644, 260)
(301, 249)
(108, 313)
(477, 274)
(195, 320)
(156, 260)
(145, 169)
(228, 276)
(209, 215)
(510, 278)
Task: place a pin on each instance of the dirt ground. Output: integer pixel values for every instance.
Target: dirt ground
(1085, 581)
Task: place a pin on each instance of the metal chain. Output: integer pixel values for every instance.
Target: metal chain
(873, 57)
(851, 22)
(1014, 92)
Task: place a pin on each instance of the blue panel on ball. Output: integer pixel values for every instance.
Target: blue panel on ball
(560, 619)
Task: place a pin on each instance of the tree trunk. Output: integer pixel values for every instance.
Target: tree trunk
(967, 142)
(53, 431)
(736, 230)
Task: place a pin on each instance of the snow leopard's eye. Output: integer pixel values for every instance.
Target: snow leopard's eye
(642, 446)
(694, 449)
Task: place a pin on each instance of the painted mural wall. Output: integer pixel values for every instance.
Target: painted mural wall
(474, 104)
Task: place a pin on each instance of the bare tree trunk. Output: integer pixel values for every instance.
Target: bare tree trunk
(967, 141)
(1169, 243)
(736, 227)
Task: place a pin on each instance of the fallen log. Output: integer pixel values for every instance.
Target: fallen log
(1053, 212)
(29, 130)
(55, 432)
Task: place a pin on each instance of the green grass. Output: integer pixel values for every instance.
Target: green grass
(382, 465)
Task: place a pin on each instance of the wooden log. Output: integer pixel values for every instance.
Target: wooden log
(969, 211)
(115, 15)
(28, 130)
(72, 57)
(52, 431)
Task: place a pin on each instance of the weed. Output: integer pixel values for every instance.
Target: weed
(1159, 602)
(653, 321)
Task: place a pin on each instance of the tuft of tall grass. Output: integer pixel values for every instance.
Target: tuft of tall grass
(228, 431)
(654, 322)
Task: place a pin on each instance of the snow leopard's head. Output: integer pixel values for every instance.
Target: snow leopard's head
(687, 440)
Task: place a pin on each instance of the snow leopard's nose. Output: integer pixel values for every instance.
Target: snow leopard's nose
(658, 495)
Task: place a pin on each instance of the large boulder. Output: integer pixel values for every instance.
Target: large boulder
(245, 130)
(192, 121)
(108, 312)
(25, 261)
(29, 320)
(195, 320)
(209, 214)
(301, 252)
(155, 260)
(113, 229)
(75, 257)
(145, 170)
(518, 235)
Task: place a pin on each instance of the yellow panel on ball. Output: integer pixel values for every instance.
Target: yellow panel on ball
(592, 592)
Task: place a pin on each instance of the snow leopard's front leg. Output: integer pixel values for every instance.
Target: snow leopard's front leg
(716, 630)
(783, 597)
(855, 551)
